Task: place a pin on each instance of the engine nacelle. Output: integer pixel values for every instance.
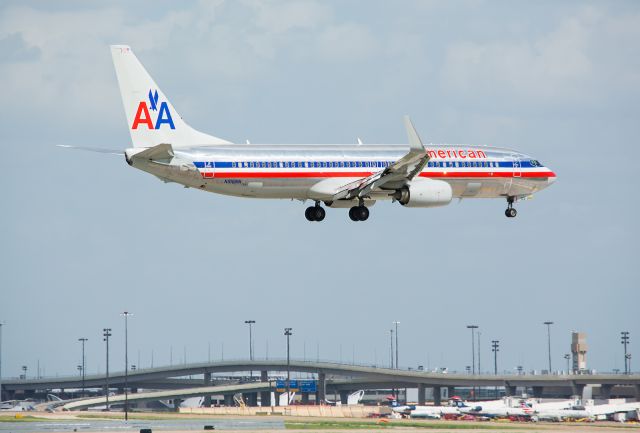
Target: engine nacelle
(425, 193)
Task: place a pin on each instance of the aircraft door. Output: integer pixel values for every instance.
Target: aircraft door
(517, 167)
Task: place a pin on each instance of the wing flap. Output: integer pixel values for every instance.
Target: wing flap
(401, 171)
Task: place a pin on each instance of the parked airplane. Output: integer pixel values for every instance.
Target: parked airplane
(340, 176)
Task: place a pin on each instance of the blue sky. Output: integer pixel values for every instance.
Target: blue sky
(85, 237)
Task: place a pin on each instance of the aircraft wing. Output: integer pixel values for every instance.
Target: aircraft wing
(394, 176)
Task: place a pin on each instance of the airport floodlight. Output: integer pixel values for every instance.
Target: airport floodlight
(250, 323)
(495, 348)
(473, 347)
(106, 332)
(624, 335)
(288, 333)
(1, 324)
(391, 348)
(126, 315)
(24, 374)
(549, 323)
(397, 323)
(83, 340)
(567, 357)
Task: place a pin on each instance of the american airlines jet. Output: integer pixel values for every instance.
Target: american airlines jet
(338, 176)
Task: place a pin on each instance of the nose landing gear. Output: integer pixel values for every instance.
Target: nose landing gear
(315, 213)
(510, 212)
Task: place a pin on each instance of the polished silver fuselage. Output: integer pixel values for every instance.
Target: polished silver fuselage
(289, 171)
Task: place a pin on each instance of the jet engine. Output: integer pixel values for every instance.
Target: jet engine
(424, 193)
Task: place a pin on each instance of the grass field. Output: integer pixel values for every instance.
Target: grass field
(26, 418)
(371, 425)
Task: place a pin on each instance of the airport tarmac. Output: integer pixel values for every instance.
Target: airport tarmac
(77, 422)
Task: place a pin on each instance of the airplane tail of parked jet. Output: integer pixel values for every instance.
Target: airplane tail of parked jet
(151, 117)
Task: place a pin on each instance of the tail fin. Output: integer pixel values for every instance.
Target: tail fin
(151, 118)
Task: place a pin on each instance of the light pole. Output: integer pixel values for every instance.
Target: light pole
(495, 347)
(1, 324)
(473, 354)
(397, 362)
(24, 369)
(250, 323)
(625, 340)
(548, 323)
(83, 340)
(391, 347)
(288, 333)
(473, 347)
(567, 357)
(479, 369)
(106, 332)
(126, 315)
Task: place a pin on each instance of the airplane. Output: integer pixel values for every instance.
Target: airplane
(338, 176)
(592, 412)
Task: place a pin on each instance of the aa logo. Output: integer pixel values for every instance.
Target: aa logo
(143, 116)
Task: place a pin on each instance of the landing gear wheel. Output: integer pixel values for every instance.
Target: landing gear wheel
(309, 213)
(363, 213)
(352, 213)
(359, 213)
(314, 213)
(318, 213)
(511, 212)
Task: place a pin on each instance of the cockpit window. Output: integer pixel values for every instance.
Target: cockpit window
(535, 163)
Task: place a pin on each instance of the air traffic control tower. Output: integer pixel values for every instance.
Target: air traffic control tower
(579, 351)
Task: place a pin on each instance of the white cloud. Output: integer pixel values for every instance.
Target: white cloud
(563, 66)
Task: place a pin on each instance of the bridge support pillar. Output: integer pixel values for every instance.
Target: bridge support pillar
(176, 404)
(437, 395)
(344, 397)
(421, 394)
(322, 388)
(305, 398)
(277, 397)
(250, 398)
(577, 389)
(451, 391)
(638, 392)
(228, 400)
(605, 391)
(509, 390)
(537, 391)
(265, 396)
(207, 382)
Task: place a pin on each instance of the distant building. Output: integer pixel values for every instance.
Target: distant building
(579, 351)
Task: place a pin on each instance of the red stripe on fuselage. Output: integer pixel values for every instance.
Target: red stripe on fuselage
(328, 174)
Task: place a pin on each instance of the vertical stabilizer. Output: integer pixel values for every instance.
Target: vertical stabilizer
(151, 118)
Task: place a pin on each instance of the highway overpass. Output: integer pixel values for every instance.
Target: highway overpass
(146, 378)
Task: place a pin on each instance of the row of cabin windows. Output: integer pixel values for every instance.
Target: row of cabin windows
(349, 164)
(462, 164)
(311, 164)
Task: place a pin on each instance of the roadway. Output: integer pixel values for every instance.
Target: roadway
(142, 378)
(169, 395)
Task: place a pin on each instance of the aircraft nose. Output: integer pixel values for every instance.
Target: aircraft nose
(552, 178)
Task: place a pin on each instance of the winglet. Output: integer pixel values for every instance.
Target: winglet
(414, 139)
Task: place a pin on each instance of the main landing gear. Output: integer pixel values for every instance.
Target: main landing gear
(315, 213)
(510, 212)
(359, 213)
